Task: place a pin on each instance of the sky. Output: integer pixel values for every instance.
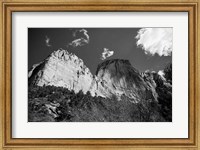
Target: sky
(145, 48)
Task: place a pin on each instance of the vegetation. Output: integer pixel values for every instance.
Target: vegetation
(164, 91)
(168, 72)
(50, 103)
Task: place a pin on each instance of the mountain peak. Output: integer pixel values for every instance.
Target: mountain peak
(120, 62)
(62, 69)
(118, 77)
(60, 53)
(114, 77)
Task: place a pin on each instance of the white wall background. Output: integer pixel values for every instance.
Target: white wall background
(176, 129)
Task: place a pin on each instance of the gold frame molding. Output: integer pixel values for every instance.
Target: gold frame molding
(9, 6)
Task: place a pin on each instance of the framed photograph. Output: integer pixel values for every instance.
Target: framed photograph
(106, 75)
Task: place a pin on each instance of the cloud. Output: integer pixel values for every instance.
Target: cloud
(47, 41)
(155, 40)
(106, 53)
(81, 38)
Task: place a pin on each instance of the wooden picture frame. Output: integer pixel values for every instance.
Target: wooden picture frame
(9, 6)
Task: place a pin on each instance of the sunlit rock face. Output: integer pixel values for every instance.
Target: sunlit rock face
(162, 89)
(117, 77)
(62, 69)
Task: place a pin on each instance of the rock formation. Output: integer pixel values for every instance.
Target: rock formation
(118, 77)
(114, 77)
(62, 69)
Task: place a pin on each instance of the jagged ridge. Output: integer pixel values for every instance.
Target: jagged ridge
(137, 94)
(115, 77)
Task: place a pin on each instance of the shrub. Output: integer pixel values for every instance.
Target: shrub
(83, 107)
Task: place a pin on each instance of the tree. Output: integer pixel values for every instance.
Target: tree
(168, 72)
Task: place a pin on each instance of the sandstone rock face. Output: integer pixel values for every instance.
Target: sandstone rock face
(62, 69)
(114, 77)
(118, 77)
(118, 91)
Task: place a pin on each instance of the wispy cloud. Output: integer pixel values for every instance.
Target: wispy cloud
(47, 41)
(106, 53)
(81, 38)
(155, 41)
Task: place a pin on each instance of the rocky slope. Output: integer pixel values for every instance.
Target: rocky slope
(62, 69)
(162, 84)
(118, 77)
(57, 104)
(118, 92)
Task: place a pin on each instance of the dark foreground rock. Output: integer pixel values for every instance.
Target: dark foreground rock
(59, 104)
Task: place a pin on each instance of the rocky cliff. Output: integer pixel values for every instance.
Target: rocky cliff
(62, 88)
(62, 69)
(116, 77)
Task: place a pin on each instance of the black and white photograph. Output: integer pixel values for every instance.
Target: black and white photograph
(100, 74)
